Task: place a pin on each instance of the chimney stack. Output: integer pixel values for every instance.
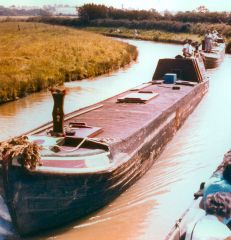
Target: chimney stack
(58, 113)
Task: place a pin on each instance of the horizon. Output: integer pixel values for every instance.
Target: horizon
(159, 5)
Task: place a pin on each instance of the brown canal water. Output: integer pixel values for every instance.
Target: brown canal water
(148, 209)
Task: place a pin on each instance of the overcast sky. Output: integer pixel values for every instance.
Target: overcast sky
(159, 5)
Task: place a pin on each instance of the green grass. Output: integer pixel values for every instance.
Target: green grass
(34, 56)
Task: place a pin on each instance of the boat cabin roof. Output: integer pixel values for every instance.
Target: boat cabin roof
(187, 69)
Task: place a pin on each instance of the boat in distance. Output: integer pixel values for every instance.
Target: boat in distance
(215, 57)
(106, 147)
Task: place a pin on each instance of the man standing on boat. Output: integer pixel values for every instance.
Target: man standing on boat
(208, 41)
(188, 49)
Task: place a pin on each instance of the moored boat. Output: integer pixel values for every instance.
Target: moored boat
(215, 57)
(104, 150)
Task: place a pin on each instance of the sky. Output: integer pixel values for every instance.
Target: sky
(159, 5)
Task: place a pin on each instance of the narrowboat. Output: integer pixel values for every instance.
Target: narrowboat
(216, 56)
(93, 154)
(193, 214)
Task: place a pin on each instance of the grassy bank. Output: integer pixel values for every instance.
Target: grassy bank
(150, 35)
(34, 56)
(153, 35)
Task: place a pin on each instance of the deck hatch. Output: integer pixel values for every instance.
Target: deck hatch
(138, 97)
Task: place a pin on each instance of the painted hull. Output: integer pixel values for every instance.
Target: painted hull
(43, 200)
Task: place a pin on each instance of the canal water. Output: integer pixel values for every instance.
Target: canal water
(148, 209)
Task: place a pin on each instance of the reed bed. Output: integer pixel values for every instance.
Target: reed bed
(35, 56)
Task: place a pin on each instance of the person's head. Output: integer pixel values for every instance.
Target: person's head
(226, 161)
(190, 41)
(219, 204)
(227, 172)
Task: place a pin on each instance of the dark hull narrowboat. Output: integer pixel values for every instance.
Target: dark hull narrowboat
(107, 147)
(215, 57)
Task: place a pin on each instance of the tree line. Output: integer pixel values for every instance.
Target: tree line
(92, 11)
(160, 25)
(89, 12)
(196, 22)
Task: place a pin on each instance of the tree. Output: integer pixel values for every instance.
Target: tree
(92, 11)
(202, 9)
